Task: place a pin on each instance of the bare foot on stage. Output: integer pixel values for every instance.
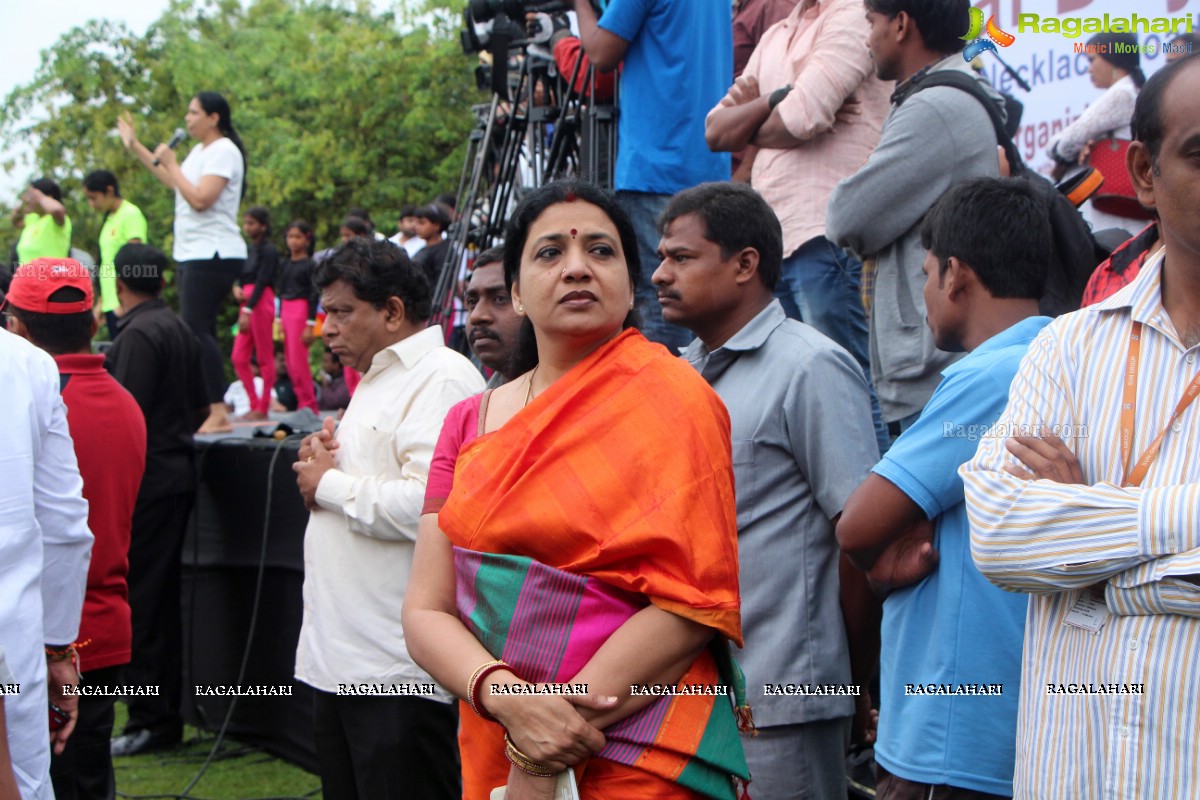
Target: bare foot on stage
(218, 420)
(253, 416)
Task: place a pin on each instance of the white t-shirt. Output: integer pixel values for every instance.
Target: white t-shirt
(200, 234)
(412, 246)
(237, 397)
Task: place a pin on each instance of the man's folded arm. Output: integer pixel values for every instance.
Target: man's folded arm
(833, 72)
(1168, 585)
(730, 126)
(1041, 536)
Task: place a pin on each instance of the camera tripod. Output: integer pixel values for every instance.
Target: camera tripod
(538, 129)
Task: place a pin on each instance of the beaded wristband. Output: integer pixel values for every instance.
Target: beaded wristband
(475, 687)
(524, 762)
(68, 653)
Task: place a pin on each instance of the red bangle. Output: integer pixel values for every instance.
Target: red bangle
(475, 687)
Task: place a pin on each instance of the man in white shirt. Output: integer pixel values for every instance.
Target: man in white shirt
(406, 236)
(365, 485)
(45, 546)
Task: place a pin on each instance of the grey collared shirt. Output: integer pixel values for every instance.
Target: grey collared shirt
(802, 442)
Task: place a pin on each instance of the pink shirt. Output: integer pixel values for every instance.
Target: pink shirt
(821, 50)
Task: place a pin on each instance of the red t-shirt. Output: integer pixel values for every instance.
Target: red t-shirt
(1119, 270)
(109, 432)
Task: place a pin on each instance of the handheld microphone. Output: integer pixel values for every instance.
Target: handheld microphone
(178, 136)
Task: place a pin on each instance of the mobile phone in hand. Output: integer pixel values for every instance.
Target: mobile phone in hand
(58, 718)
(565, 787)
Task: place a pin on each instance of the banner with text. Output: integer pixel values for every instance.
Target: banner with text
(1045, 46)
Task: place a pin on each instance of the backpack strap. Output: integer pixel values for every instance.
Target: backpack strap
(964, 82)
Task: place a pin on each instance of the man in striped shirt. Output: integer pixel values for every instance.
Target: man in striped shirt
(1102, 525)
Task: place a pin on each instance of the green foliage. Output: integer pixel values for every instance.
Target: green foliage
(338, 107)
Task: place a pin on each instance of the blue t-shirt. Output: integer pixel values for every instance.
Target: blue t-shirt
(953, 628)
(678, 66)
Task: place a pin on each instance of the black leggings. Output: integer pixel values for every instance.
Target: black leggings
(203, 286)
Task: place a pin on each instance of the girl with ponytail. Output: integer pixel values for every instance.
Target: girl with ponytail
(209, 249)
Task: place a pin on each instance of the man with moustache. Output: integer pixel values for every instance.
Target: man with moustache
(492, 323)
(803, 440)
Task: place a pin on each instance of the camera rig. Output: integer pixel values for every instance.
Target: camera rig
(539, 125)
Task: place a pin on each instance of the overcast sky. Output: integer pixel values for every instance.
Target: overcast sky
(29, 27)
(32, 27)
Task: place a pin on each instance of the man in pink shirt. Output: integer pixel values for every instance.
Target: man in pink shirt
(810, 102)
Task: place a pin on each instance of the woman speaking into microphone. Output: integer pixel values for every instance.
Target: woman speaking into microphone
(209, 248)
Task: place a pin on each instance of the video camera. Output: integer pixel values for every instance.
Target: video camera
(483, 10)
(485, 19)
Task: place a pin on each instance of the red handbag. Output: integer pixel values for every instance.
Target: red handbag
(1116, 195)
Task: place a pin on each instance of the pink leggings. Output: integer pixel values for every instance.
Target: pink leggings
(294, 315)
(257, 340)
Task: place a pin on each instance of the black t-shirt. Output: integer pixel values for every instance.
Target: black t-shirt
(262, 265)
(157, 359)
(430, 260)
(296, 283)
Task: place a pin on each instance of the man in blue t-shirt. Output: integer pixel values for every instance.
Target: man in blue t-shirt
(678, 61)
(950, 662)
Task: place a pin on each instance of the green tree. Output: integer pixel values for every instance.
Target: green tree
(338, 106)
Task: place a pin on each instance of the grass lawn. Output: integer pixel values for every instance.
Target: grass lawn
(238, 772)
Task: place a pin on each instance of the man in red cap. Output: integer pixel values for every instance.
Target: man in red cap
(51, 305)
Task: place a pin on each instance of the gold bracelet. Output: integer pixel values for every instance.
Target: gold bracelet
(474, 700)
(524, 762)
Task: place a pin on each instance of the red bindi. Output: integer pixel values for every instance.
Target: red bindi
(573, 232)
(570, 196)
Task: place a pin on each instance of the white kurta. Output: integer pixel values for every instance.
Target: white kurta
(45, 546)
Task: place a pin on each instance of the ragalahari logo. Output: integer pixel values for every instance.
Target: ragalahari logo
(994, 34)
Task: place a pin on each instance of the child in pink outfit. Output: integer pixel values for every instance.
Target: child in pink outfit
(255, 291)
(298, 310)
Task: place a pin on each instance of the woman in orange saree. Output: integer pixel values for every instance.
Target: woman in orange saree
(588, 536)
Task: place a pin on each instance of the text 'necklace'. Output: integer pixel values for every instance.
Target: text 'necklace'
(529, 394)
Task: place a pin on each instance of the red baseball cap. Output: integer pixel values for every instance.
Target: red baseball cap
(35, 281)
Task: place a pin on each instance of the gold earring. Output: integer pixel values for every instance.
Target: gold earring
(521, 309)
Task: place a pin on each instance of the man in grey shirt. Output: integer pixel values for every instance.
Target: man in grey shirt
(802, 440)
(930, 142)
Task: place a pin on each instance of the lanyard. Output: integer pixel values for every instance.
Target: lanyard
(1137, 472)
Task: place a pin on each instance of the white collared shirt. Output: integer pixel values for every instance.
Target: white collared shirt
(45, 546)
(358, 546)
